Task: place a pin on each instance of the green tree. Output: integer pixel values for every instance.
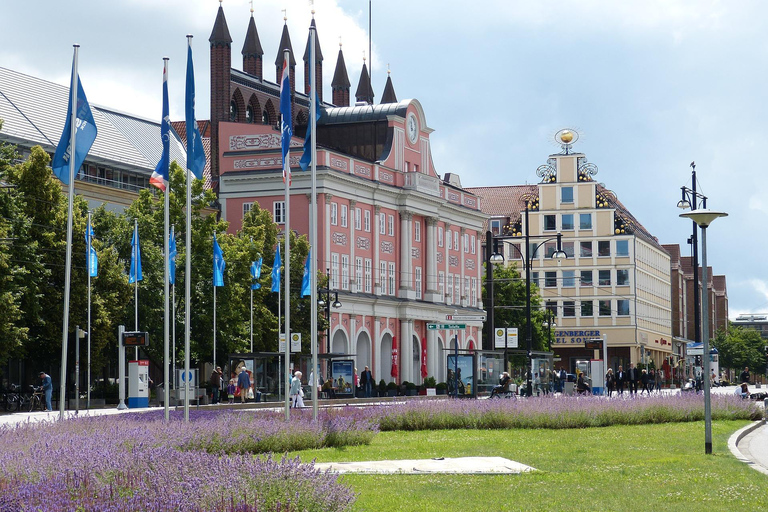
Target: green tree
(740, 347)
(510, 308)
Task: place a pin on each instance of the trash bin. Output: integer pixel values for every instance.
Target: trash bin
(570, 387)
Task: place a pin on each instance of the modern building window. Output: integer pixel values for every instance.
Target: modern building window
(367, 224)
(585, 221)
(622, 277)
(604, 308)
(586, 308)
(495, 225)
(417, 284)
(535, 278)
(569, 308)
(334, 214)
(278, 212)
(383, 277)
(549, 249)
(567, 220)
(569, 278)
(568, 249)
(603, 247)
(417, 230)
(604, 278)
(391, 225)
(334, 270)
(382, 224)
(343, 215)
(247, 208)
(586, 278)
(550, 223)
(585, 249)
(368, 274)
(440, 236)
(514, 252)
(358, 219)
(550, 279)
(622, 307)
(622, 247)
(391, 277)
(345, 271)
(359, 274)
(566, 194)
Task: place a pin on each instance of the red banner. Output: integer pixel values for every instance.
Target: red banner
(424, 358)
(393, 372)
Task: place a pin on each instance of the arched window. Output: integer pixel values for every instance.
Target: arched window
(265, 117)
(232, 111)
(249, 114)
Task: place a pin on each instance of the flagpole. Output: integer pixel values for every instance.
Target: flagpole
(287, 179)
(166, 273)
(251, 315)
(187, 274)
(136, 281)
(88, 272)
(68, 268)
(214, 323)
(173, 308)
(313, 218)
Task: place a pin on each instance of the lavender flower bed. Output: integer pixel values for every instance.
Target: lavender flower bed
(560, 412)
(136, 462)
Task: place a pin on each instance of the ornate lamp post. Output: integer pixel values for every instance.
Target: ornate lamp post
(324, 301)
(703, 218)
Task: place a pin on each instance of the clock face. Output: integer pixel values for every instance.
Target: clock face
(412, 128)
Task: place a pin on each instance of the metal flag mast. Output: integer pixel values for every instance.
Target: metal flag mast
(287, 259)
(313, 218)
(166, 249)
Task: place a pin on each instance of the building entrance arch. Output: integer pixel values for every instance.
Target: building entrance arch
(363, 351)
(385, 361)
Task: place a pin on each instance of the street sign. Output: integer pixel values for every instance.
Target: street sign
(595, 344)
(466, 318)
(295, 342)
(505, 335)
(433, 327)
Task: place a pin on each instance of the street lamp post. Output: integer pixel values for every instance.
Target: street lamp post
(703, 218)
(691, 200)
(530, 253)
(324, 301)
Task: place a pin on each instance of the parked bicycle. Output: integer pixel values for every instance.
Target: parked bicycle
(12, 398)
(37, 400)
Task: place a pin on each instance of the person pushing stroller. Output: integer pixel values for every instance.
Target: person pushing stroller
(503, 386)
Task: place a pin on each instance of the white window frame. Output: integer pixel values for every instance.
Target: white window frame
(335, 270)
(473, 242)
(466, 288)
(417, 230)
(358, 219)
(382, 223)
(456, 240)
(441, 284)
(359, 274)
(368, 274)
(344, 216)
(278, 212)
(465, 241)
(247, 208)
(391, 225)
(440, 236)
(383, 277)
(392, 282)
(449, 289)
(334, 214)
(456, 289)
(367, 221)
(473, 293)
(448, 239)
(417, 281)
(345, 271)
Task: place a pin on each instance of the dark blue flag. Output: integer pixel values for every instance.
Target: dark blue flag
(172, 257)
(135, 273)
(255, 274)
(90, 252)
(85, 133)
(160, 175)
(286, 123)
(305, 289)
(306, 157)
(276, 270)
(195, 150)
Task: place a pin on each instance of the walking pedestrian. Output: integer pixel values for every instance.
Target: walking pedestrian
(243, 384)
(620, 378)
(216, 384)
(47, 384)
(366, 381)
(296, 393)
(610, 381)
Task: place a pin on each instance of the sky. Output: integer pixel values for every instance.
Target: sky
(649, 86)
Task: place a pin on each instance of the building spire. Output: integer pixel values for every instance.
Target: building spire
(340, 83)
(318, 62)
(220, 34)
(364, 89)
(389, 90)
(253, 54)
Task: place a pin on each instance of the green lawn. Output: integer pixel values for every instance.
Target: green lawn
(653, 467)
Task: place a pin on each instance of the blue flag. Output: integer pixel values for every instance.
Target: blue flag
(255, 273)
(195, 150)
(218, 264)
(160, 175)
(276, 270)
(305, 280)
(172, 257)
(306, 157)
(90, 252)
(135, 273)
(286, 123)
(85, 133)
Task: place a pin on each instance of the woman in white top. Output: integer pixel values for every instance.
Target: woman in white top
(296, 394)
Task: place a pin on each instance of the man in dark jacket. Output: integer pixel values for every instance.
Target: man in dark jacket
(633, 376)
(744, 376)
(216, 384)
(620, 378)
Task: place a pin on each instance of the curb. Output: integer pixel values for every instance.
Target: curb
(733, 446)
